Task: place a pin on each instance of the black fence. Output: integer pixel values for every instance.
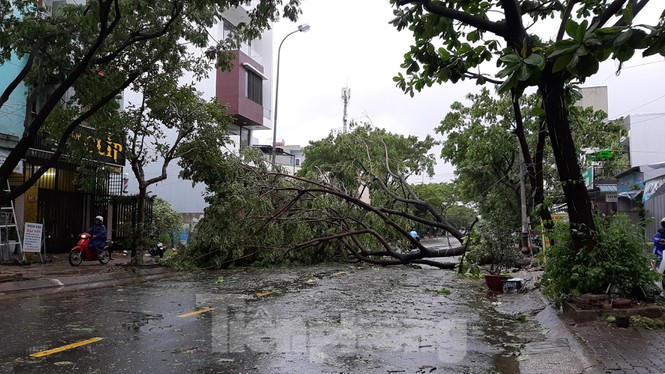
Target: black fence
(65, 214)
(125, 216)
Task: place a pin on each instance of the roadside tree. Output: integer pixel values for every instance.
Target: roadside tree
(77, 59)
(481, 144)
(448, 198)
(166, 222)
(168, 116)
(455, 40)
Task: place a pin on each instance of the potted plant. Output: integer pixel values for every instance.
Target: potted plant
(494, 249)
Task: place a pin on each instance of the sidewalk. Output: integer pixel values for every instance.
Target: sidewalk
(565, 346)
(57, 275)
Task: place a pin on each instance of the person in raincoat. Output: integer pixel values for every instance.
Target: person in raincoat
(97, 235)
(659, 244)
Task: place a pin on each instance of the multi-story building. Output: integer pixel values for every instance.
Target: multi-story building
(246, 89)
(54, 200)
(289, 157)
(641, 188)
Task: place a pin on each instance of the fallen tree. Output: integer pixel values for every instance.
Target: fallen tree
(257, 215)
(389, 252)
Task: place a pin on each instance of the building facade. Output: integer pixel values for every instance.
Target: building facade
(247, 91)
(55, 200)
(642, 187)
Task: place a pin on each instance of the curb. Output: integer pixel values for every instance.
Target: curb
(569, 354)
(83, 281)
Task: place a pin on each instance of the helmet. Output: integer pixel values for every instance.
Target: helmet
(99, 218)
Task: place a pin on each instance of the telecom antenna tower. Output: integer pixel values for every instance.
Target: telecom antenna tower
(346, 97)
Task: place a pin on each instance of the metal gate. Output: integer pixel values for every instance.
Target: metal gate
(125, 214)
(66, 214)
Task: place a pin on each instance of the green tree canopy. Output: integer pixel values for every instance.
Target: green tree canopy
(78, 58)
(258, 216)
(457, 39)
(481, 144)
(448, 198)
(352, 160)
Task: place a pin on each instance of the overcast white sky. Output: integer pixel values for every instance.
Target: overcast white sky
(351, 44)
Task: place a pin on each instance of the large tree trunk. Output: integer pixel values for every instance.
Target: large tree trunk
(565, 155)
(538, 183)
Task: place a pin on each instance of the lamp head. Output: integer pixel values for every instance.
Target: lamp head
(303, 28)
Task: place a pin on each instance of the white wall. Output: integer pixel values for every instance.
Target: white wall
(647, 136)
(595, 97)
(182, 196)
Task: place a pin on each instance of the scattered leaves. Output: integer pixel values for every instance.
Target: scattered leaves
(648, 323)
(185, 350)
(64, 363)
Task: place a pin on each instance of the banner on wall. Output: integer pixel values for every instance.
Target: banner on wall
(651, 187)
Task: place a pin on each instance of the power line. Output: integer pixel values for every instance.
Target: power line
(645, 104)
(618, 72)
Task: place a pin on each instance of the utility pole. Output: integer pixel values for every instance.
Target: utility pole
(346, 97)
(524, 241)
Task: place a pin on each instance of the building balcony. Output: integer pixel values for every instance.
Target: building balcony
(235, 87)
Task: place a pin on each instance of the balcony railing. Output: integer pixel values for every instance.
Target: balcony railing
(252, 53)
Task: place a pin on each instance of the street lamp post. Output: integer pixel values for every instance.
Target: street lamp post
(301, 28)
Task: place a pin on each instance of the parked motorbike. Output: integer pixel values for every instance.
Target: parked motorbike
(157, 250)
(82, 252)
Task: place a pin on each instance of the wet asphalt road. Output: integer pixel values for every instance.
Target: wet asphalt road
(325, 319)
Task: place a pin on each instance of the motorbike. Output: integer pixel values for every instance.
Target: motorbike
(82, 252)
(157, 250)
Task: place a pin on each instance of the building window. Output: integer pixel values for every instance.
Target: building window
(228, 29)
(245, 137)
(297, 162)
(254, 87)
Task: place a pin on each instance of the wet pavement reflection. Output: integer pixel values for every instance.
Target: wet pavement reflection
(341, 318)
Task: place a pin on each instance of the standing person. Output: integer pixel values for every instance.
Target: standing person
(658, 248)
(659, 244)
(98, 235)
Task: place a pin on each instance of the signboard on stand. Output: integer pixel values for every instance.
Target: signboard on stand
(32, 237)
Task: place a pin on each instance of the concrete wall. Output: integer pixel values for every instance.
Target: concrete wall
(595, 97)
(646, 133)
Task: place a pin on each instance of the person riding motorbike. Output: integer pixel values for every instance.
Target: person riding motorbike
(97, 235)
